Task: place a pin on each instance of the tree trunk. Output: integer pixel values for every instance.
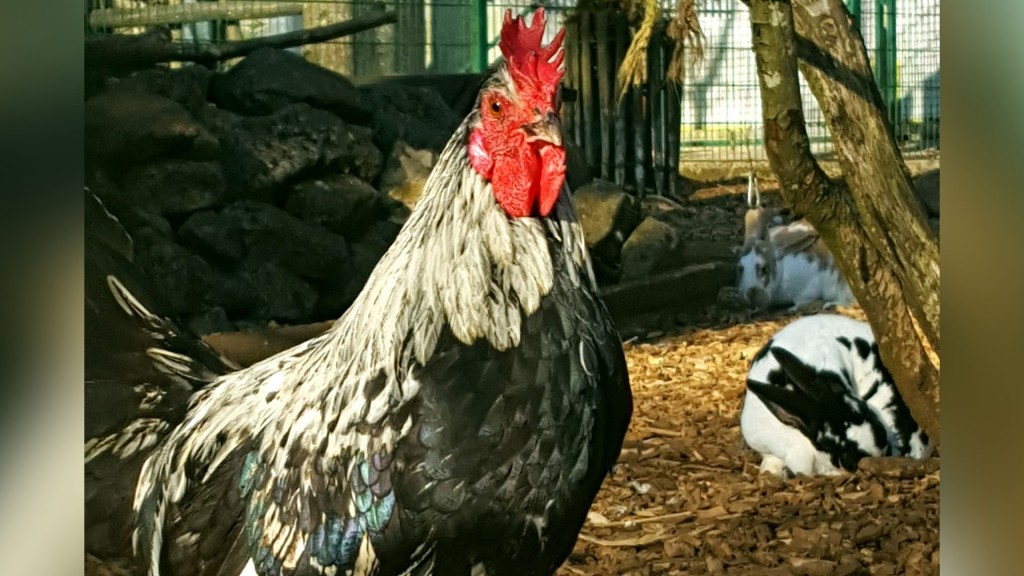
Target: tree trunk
(872, 222)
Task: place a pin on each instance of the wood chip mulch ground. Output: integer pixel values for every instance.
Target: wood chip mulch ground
(687, 497)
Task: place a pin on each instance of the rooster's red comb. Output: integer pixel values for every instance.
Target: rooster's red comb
(529, 62)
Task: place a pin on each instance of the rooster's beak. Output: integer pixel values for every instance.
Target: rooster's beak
(546, 129)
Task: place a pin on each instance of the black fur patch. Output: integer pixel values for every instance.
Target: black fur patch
(777, 377)
(904, 422)
(872, 391)
(878, 363)
(863, 348)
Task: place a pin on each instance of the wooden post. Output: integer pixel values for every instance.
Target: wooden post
(641, 147)
(571, 108)
(336, 55)
(373, 51)
(673, 122)
(635, 141)
(655, 119)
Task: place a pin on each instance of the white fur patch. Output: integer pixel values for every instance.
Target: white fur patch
(864, 437)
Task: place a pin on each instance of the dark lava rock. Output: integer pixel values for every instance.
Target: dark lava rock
(262, 154)
(653, 247)
(177, 186)
(208, 233)
(183, 278)
(274, 236)
(268, 80)
(608, 216)
(262, 291)
(125, 128)
(187, 85)
(210, 321)
(337, 295)
(340, 203)
(415, 114)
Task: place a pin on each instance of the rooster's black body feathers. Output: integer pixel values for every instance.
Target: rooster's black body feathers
(141, 367)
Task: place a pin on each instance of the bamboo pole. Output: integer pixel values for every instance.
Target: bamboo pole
(605, 89)
(570, 106)
(622, 105)
(657, 99)
(586, 90)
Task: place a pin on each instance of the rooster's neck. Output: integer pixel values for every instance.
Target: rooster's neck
(461, 262)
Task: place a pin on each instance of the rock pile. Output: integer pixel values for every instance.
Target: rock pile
(268, 192)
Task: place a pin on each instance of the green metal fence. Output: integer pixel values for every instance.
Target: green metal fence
(443, 36)
(721, 102)
(721, 118)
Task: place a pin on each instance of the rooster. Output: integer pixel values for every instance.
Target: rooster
(458, 419)
(141, 367)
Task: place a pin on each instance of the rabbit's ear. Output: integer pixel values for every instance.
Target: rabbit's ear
(808, 379)
(792, 407)
(799, 373)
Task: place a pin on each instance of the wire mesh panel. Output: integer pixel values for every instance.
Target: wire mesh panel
(193, 20)
(722, 103)
(442, 36)
(902, 40)
(399, 48)
(917, 98)
(721, 107)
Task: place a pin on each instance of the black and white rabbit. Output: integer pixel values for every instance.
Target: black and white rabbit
(819, 399)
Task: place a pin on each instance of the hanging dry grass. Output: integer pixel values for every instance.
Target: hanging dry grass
(683, 30)
(686, 34)
(633, 70)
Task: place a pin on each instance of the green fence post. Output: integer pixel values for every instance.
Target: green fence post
(854, 7)
(885, 54)
(890, 97)
(480, 40)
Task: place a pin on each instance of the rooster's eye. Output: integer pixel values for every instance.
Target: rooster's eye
(495, 108)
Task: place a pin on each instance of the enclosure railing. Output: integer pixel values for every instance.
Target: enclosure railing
(721, 108)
